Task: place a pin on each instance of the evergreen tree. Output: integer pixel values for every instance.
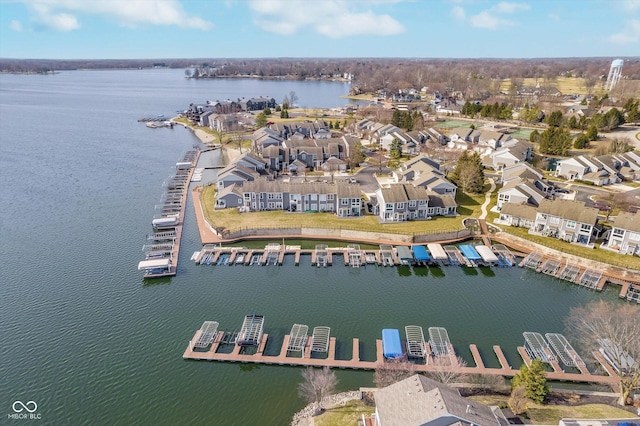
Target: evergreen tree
(573, 122)
(632, 108)
(267, 111)
(581, 141)
(592, 133)
(555, 141)
(261, 120)
(468, 174)
(554, 119)
(534, 380)
(395, 150)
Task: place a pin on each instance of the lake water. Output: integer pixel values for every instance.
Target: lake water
(87, 339)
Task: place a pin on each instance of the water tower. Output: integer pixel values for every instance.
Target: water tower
(615, 72)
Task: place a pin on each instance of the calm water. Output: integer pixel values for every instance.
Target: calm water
(87, 339)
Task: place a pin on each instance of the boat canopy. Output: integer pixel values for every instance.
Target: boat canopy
(404, 254)
(437, 252)
(469, 252)
(420, 253)
(154, 263)
(487, 254)
(391, 345)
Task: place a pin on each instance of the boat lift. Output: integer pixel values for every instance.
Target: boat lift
(251, 331)
(416, 347)
(320, 339)
(532, 260)
(322, 255)
(537, 347)
(354, 255)
(590, 278)
(550, 267)
(298, 338)
(569, 273)
(564, 350)
(439, 341)
(208, 333)
(386, 255)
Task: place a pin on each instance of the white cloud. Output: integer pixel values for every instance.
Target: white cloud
(505, 7)
(554, 16)
(334, 18)
(61, 14)
(631, 5)
(16, 26)
(458, 13)
(630, 34)
(490, 18)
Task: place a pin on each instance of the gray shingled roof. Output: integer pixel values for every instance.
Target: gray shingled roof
(418, 400)
(522, 211)
(629, 221)
(569, 209)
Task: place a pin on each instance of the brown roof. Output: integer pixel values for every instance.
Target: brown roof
(629, 221)
(569, 209)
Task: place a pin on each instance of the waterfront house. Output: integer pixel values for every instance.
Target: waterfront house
(229, 197)
(401, 202)
(235, 174)
(265, 137)
(420, 401)
(223, 122)
(518, 215)
(567, 220)
(341, 198)
(257, 104)
(625, 234)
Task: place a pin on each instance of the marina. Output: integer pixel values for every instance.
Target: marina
(298, 347)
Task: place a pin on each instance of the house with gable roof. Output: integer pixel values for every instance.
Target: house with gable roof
(401, 202)
(625, 234)
(568, 220)
(420, 401)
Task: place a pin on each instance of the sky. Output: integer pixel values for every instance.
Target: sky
(130, 29)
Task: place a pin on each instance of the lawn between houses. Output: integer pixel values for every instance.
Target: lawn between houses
(232, 221)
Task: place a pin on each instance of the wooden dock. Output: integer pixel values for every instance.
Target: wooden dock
(355, 363)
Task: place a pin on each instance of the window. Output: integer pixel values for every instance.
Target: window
(412, 203)
(330, 197)
(585, 227)
(634, 236)
(617, 232)
(571, 224)
(388, 207)
(554, 220)
(400, 206)
(344, 201)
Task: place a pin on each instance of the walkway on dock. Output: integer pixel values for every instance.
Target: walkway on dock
(356, 363)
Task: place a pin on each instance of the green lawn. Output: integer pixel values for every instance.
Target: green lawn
(551, 414)
(344, 415)
(233, 221)
(598, 254)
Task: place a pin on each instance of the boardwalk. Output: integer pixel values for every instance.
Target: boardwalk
(282, 358)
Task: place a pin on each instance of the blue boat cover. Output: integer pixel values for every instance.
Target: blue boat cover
(391, 345)
(470, 252)
(420, 253)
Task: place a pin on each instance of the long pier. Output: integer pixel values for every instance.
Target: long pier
(183, 193)
(355, 363)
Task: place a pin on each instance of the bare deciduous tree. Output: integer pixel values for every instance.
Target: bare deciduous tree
(518, 400)
(448, 369)
(317, 384)
(392, 371)
(616, 326)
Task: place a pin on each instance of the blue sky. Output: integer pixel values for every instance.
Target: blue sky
(124, 29)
